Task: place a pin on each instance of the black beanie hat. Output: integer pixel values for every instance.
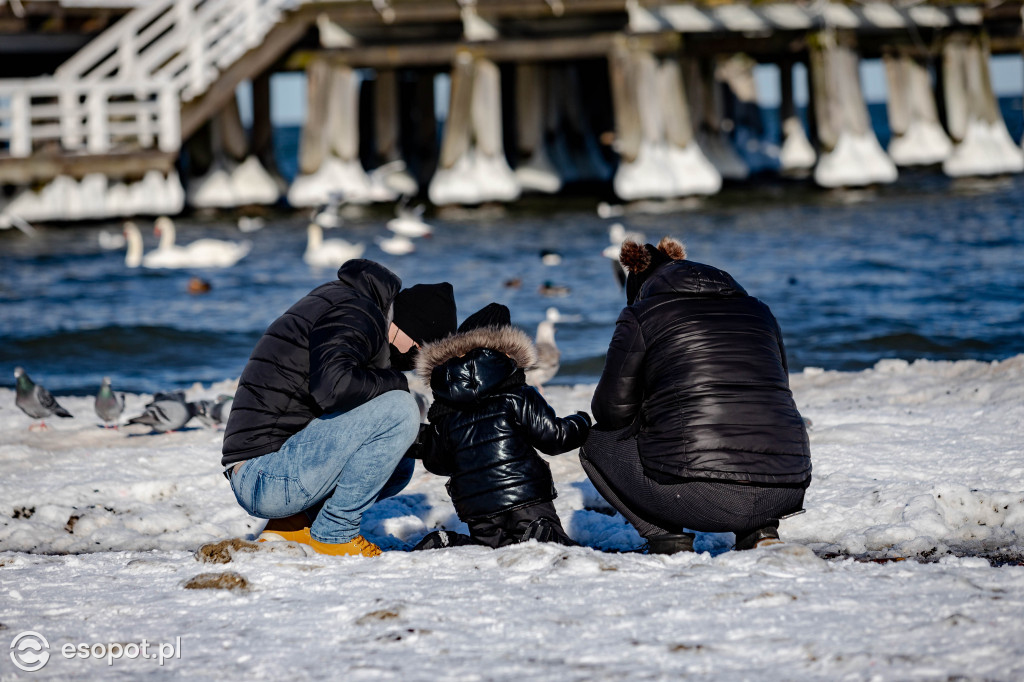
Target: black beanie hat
(640, 262)
(491, 315)
(426, 312)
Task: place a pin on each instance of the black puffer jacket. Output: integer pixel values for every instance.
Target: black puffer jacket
(699, 368)
(485, 422)
(327, 353)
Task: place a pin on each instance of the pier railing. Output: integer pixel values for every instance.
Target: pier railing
(124, 90)
(185, 41)
(44, 114)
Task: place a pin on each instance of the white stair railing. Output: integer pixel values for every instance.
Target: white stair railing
(124, 89)
(42, 114)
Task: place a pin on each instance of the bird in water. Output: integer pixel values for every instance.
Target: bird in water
(213, 413)
(34, 400)
(396, 245)
(548, 355)
(616, 235)
(408, 222)
(549, 288)
(322, 252)
(109, 405)
(167, 412)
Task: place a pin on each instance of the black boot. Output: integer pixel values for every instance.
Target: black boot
(545, 530)
(670, 544)
(760, 537)
(440, 539)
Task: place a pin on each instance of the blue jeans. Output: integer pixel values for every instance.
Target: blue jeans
(345, 461)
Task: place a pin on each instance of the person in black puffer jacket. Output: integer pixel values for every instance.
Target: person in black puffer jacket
(696, 427)
(321, 418)
(486, 426)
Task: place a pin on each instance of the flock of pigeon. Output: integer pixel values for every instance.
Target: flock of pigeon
(171, 411)
(166, 412)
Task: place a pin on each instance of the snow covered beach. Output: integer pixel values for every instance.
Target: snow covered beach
(907, 564)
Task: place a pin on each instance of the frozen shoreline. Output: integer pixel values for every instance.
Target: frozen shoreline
(920, 462)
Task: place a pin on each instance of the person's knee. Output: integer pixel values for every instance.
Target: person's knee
(399, 409)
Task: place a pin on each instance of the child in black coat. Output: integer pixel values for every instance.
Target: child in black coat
(486, 425)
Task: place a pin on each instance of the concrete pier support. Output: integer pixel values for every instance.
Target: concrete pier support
(393, 172)
(983, 145)
(850, 153)
(329, 165)
(659, 155)
(918, 138)
(706, 81)
(534, 113)
(472, 168)
(797, 156)
(236, 176)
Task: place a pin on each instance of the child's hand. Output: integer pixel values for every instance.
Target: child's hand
(590, 422)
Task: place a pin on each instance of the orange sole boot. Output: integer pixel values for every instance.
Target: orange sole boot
(357, 546)
(294, 528)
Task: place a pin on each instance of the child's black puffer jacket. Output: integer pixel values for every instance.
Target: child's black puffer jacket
(486, 424)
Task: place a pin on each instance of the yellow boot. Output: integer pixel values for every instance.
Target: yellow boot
(356, 546)
(294, 528)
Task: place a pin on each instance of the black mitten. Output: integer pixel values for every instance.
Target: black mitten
(586, 416)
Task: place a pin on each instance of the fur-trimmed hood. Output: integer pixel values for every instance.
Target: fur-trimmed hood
(467, 366)
(511, 341)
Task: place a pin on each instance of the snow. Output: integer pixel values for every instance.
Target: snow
(907, 564)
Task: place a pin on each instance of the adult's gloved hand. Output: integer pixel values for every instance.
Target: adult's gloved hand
(590, 422)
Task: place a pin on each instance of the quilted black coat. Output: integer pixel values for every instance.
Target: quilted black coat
(328, 353)
(486, 424)
(698, 368)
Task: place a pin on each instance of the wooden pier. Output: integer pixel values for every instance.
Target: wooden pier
(105, 104)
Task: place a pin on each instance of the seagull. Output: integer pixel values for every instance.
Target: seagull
(548, 355)
(549, 257)
(250, 223)
(213, 413)
(329, 215)
(202, 253)
(109, 405)
(616, 235)
(167, 412)
(396, 246)
(34, 400)
(322, 252)
(111, 241)
(408, 222)
(606, 210)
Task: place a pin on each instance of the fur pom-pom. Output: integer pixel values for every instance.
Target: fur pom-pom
(634, 257)
(671, 248)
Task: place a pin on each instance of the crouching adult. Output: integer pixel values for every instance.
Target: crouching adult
(696, 428)
(322, 416)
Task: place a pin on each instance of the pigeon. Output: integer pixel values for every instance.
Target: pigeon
(35, 401)
(213, 413)
(109, 405)
(167, 412)
(548, 355)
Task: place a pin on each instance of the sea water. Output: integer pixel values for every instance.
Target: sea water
(929, 267)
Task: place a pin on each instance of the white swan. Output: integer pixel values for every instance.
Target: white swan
(408, 222)
(396, 246)
(133, 256)
(202, 253)
(322, 252)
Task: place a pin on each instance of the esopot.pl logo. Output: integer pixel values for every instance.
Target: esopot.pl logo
(30, 651)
